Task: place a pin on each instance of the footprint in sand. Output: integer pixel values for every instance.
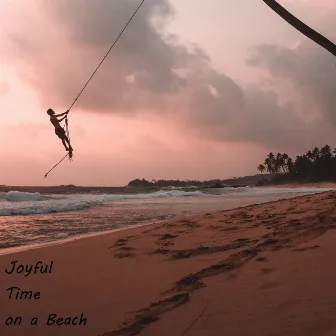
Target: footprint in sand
(265, 271)
(120, 242)
(230, 228)
(269, 285)
(124, 255)
(125, 252)
(306, 248)
(168, 236)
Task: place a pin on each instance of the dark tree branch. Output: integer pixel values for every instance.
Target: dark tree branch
(300, 26)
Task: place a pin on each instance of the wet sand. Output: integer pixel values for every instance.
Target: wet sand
(260, 270)
(304, 185)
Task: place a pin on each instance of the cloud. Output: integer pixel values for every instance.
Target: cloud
(311, 70)
(152, 70)
(4, 88)
(139, 72)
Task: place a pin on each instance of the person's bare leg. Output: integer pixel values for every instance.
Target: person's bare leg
(64, 144)
(70, 148)
(67, 140)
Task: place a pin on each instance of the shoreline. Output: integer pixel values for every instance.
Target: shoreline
(23, 248)
(302, 185)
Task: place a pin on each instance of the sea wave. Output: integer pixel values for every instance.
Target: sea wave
(19, 196)
(24, 203)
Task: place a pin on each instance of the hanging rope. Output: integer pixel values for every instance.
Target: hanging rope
(56, 165)
(300, 26)
(67, 128)
(68, 136)
(106, 55)
(66, 119)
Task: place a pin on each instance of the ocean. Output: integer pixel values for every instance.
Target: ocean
(27, 219)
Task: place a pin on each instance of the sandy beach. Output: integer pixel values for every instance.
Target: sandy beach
(263, 270)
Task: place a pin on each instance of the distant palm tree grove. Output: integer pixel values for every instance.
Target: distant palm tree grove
(318, 164)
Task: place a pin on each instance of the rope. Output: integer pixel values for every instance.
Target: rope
(68, 136)
(56, 165)
(106, 54)
(300, 26)
(67, 128)
(66, 119)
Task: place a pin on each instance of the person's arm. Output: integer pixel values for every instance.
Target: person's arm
(61, 118)
(62, 114)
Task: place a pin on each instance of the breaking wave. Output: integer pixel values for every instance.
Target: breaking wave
(24, 203)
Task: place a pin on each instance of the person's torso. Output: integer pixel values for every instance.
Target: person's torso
(55, 122)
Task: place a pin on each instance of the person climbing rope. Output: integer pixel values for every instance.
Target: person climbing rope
(59, 130)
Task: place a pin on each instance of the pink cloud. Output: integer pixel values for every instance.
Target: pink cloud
(157, 107)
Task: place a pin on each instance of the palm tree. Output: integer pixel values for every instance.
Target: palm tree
(326, 152)
(285, 158)
(316, 153)
(280, 163)
(310, 155)
(302, 165)
(270, 163)
(261, 168)
(267, 163)
(290, 165)
(271, 156)
(317, 164)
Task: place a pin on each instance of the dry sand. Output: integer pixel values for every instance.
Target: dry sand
(265, 270)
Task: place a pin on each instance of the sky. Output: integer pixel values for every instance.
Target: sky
(194, 89)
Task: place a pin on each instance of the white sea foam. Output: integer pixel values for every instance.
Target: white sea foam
(23, 203)
(19, 196)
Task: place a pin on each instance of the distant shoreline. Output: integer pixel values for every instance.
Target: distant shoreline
(103, 190)
(150, 189)
(139, 186)
(77, 190)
